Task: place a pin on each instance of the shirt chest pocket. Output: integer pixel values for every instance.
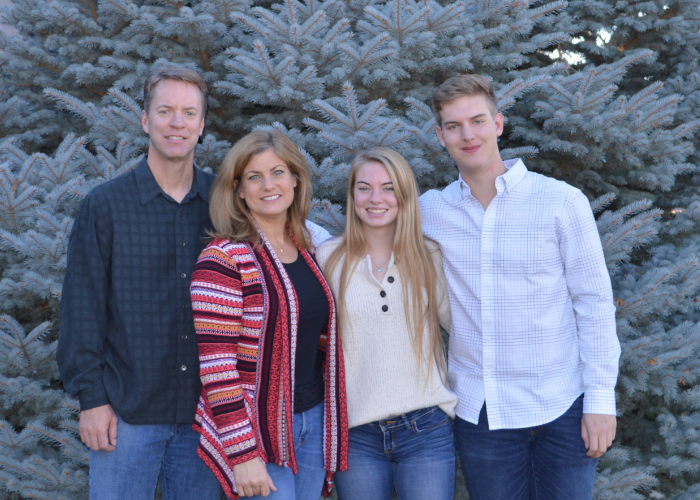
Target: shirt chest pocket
(526, 250)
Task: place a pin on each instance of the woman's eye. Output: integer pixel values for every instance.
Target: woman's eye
(253, 177)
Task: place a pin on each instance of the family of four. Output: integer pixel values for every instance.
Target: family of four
(218, 342)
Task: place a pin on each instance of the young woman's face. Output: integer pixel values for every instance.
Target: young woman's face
(267, 186)
(375, 200)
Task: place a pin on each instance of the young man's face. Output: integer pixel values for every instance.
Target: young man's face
(469, 132)
(174, 121)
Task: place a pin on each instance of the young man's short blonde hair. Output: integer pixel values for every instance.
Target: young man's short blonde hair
(464, 85)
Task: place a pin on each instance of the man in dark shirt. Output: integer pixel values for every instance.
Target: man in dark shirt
(127, 346)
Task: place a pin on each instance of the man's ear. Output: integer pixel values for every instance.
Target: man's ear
(144, 121)
(438, 132)
(499, 119)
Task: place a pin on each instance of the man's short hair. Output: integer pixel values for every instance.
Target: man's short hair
(464, 85)
(178, 74)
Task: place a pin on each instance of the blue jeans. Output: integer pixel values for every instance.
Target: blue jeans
(143, 454)
(547, 462)
(308, 448)
(414, 453)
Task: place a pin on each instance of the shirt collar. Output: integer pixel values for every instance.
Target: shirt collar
(148, 186)
(516, 170)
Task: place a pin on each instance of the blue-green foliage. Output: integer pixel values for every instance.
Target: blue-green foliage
(602, 94)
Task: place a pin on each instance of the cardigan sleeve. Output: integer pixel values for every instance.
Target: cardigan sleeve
(218, 310)
(444, 313)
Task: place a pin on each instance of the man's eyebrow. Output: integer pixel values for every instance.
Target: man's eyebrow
(446, 122)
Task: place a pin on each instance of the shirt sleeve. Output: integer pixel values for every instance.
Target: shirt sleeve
(589, 285)
(218, 308)
(318, 234)
(84, 302)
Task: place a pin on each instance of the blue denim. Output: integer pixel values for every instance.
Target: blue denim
(307, 484)
(547, 462)
(413, 453)
(145, 453)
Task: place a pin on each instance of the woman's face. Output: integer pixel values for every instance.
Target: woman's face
(375, 200)
(267, 186)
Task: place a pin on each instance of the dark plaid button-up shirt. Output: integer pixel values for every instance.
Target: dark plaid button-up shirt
(127, 336)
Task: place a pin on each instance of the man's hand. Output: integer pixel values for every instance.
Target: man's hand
(98, 428)
(598, 432)
(252, 479)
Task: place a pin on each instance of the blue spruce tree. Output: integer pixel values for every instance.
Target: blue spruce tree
(601, 94)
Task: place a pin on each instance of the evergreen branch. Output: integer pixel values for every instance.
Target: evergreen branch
(643, 97)
(129, 104)
(601, 202)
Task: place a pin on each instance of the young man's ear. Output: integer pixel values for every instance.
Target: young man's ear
(438, 132)
(500, 120)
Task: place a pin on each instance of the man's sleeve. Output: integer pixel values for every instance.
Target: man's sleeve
(83, 329)
(591, 293)
(318, 234)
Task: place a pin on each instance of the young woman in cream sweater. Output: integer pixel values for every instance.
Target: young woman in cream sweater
(390, 287)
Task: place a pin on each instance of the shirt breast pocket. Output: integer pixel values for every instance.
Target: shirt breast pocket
(528, 250)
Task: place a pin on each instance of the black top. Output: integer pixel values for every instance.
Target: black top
(127, 335)
(313, 318)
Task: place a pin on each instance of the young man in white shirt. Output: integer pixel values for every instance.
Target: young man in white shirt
(533, 351)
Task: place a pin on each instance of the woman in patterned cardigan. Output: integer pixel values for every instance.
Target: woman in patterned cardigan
(272, 413)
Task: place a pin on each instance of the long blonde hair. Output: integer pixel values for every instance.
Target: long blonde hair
(229, 212)
(416, 268)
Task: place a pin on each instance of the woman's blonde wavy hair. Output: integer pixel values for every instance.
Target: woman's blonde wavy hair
(418, 274)
(229, 212)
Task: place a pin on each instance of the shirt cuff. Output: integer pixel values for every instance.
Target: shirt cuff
(599, 401)
(93, 397)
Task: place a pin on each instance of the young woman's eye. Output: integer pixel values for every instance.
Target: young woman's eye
(389, 188)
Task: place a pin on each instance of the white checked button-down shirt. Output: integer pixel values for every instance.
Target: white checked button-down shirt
(533, 320)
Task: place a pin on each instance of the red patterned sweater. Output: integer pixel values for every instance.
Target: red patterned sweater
(245, 315)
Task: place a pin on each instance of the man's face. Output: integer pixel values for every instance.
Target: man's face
(469, 132)
(174, 121)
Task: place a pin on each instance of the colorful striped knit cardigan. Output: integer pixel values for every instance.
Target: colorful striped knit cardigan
(245, 314)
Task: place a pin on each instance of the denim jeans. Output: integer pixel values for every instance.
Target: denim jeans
(143, 454)
(413, 453)
(547, 462)
(308, 448)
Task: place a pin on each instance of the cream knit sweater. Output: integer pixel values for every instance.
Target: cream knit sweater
(381, 372)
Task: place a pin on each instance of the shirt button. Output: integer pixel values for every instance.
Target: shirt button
(382, 293)
(183, 368)
(180, 214)
(182, 244)
(390, 279)
(184, 306)
(183, 275)
(385, 308)
(184, 337)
